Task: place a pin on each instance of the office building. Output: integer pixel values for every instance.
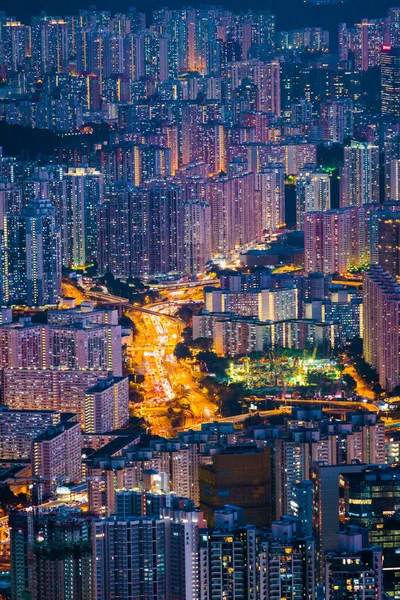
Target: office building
(231, 478)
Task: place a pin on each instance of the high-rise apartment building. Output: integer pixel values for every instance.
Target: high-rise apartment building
(271, 185)
(23, 345)
(196, 236)
(275, 304)
(236, 214)
(327, 240)
(327, 481)
(353, 569)
(107, 405)
(20, 542)
(14, 37)
(56, 456)
(183, 527)
(391, 157)
(302, 507)
(359, 438)
(359, 182)
(19, 427)
(390, 81)
(129, 558)
(84, 313)
(85, 193)
(124, 231)
(31, 267)
(239, 335)
(56, 555)
(228, 561)
(34, 388)
(381, 313)
(337, 120)
(286, 562)
(367, 43)
(87, 346)
(149, 556)
(165, 228)
(54, 46)
(389, 243)
(313, 193)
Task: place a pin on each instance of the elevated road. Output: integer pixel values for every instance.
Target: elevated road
(288, 405)
(103, 297)
(347, 404)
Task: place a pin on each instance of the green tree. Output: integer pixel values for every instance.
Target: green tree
(182, 351)
(355, 346)
(252, 421)
(126, 321)
(395, 391)
(202, 343)
(215, 364)
(230, 397)
(187, 335)
(365, 370)
(349, 382)
(377, 389)
(185, 313)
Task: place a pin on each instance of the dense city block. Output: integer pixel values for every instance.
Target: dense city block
(200, 303)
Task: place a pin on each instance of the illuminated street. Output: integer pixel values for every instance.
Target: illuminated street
(169, 384)
(362, 388)
(172, 398)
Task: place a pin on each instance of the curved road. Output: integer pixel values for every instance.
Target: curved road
(118, 300)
